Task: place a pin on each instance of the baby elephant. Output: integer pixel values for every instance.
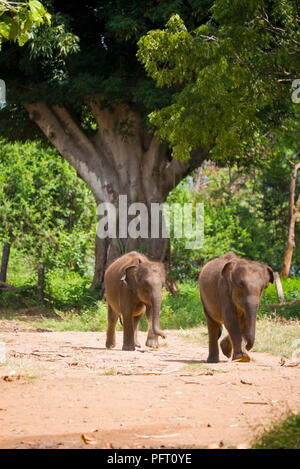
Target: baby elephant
(133, 285)
(230, 291)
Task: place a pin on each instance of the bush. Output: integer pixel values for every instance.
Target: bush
(284, 434)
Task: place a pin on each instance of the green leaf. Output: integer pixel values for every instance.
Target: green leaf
(5, 26)
(23, 38)
(37, 10)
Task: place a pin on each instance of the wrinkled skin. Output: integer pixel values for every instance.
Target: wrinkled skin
(230, 291)
(133, 286)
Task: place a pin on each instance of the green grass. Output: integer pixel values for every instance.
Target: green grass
(291, 308)
(198, 367)
(276, 338)
(283, 434)
(71, 305)
(110, 372)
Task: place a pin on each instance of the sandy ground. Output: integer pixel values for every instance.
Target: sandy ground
(65, 390)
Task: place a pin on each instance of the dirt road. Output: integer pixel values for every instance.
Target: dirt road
(65, 390)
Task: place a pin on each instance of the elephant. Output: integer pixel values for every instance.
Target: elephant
(230, 292)
(133, 286)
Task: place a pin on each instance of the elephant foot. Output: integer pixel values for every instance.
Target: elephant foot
(241, 357)
(129, 348)
(153, 343)
(226, 347)
(212, 359)
(110, 345)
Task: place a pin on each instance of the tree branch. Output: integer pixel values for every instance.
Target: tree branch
(71, 142)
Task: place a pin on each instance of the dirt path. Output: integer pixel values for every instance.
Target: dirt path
(57, 386)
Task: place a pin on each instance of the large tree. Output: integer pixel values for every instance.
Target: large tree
(234, 77)
(80, 82)
(18, 18)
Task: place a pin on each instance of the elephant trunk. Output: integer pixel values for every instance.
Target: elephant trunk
(251, 308)
(156, 304)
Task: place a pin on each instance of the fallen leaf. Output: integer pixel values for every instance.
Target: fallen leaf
(246, 382)
(88, 440)
(255, 402)
(157, 436)
(216, 445)
(11, 377)
(191, 382)
(283, 362)
(243, 358)
(293, 364)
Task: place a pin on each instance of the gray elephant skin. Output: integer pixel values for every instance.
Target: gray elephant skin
(230, 291)
(133, 286)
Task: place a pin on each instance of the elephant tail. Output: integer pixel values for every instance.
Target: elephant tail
(120, 319)
(220, 331)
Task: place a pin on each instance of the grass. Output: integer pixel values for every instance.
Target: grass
(277, 338)
(201, 367)
(272, 337)
(283, 434)
(110, 372)
(71, 305)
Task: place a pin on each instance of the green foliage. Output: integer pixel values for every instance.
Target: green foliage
(71, 305)
(232, 76)
(283, 434)
(90, 47)
(246, 212)
(46, 212)
(18, 19)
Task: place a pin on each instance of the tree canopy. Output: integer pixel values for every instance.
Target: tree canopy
(216, 83)
(17, 19)
(233, 76)
(219, 74)
(90, 47)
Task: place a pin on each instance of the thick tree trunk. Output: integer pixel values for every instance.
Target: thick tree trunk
(294, 209)
(4, 262)
(122, 158)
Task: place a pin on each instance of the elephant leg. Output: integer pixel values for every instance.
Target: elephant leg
(128, 332)
(112, 319)
(226, 346)
(242, 321)
(231, 322)
(213, 336)
(136, 321)
(152, 339)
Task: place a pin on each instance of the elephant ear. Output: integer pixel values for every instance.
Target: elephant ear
(227, 270)
(129, 275)
(270, 275)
